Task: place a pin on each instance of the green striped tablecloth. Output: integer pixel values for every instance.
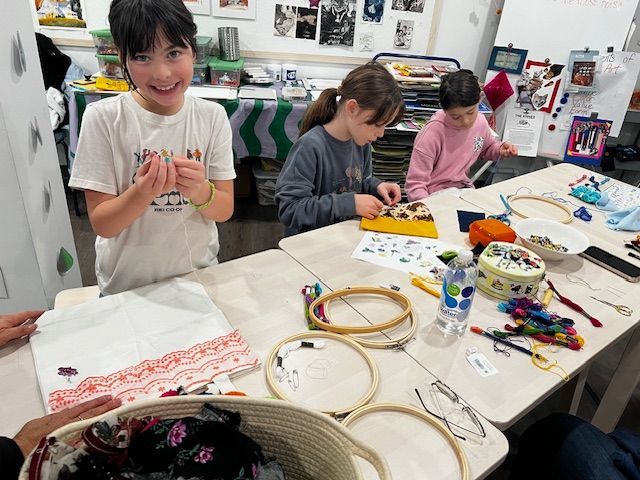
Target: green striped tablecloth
(261, 128)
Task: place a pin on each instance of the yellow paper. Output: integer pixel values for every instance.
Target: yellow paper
(403, 219)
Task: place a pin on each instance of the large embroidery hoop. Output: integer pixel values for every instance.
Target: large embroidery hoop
(397, 297)
(420, 414)
(540, 198)
(272, 383)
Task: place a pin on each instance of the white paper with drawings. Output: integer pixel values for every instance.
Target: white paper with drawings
(616, 81)
(624, 196)
(401, 252)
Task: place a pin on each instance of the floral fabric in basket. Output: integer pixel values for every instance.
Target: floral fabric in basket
(136, 344)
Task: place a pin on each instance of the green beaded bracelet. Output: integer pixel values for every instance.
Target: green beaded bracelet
(212, 187)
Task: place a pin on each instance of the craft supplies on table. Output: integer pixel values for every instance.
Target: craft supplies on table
(594, 321)
(404, 219)
(136, 344)
(490, 230)
(402, 252)
(550, 239)
(621, 309)
(506, 270)
(339, 356)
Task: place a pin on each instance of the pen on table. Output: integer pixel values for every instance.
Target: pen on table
(484, 333)
(634, 255)
(420, 284)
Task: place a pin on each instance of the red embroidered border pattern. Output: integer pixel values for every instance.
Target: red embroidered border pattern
(150, 378)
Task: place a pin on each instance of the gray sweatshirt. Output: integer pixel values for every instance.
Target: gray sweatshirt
(317, 184)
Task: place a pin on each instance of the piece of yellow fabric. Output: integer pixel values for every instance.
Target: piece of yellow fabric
(419, 228)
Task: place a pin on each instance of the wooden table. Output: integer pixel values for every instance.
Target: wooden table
(260, 295)
(556, 179)
(519, 386)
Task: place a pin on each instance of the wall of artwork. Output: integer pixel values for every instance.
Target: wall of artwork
(455, 28)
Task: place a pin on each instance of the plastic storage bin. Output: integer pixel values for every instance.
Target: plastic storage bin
(225, 73)
(203, 48)
(103, 40)
(266, 186)
(201, 73)
(110, 66)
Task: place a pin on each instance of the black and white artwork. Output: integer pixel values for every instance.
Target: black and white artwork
(372, 11)
(337, 22)
(307, 23)
(408, 5)
(284, 22)
(404, 32)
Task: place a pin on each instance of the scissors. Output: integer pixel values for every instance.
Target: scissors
(621, 309)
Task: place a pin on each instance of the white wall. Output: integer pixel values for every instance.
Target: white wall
(465, 31)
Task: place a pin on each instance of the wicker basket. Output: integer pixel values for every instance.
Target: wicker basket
(308, 444)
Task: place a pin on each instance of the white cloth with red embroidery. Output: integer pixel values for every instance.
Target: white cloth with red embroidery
(136, 344)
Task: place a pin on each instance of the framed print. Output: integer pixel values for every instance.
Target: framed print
(587, 140)
(235, 8)
(199, 7)
(68, 14)
(511, 60)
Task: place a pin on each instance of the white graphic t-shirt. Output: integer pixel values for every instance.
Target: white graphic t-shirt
(117, 136)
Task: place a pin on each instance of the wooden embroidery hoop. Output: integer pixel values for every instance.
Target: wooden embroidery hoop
(272, 383)
(397, 297)
(540, 198)
(420, 414)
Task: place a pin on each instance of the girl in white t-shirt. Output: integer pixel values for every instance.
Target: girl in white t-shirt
(156, 165)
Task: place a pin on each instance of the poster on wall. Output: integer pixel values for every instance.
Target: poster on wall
(582, 71)
(234, 8)
(61, 13)
(538, 86)
(337, 22)
(284, 21)
(587, 140)
(550, 76)
(307, 23)
(523, 130)
(404, 32)
(408, 5)
(372, 11)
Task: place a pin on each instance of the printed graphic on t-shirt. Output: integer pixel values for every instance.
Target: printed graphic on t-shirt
(351, 182)
(478, 142)
(173, 201)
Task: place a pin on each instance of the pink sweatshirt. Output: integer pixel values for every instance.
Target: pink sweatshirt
(443, 153)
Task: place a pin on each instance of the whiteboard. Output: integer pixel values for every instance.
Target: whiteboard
(257, 35)
(551, 29)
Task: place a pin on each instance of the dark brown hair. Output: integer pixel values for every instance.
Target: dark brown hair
(459, 89)
(135, 24)
(371, 85)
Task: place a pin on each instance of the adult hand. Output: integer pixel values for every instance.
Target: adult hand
(390, 192)
(367, 206)
(155, 177)
(191, 181)
(12, 326)
(508, 149)
(29, 435)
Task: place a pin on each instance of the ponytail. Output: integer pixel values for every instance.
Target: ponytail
(371, 85)
(321, 111)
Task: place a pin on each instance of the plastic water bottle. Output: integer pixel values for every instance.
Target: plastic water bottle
(458, 288)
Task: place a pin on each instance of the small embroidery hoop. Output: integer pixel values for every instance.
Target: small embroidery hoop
(420, 414)
(391, 344)
(373, 368)
(540, 198)
(398, 297)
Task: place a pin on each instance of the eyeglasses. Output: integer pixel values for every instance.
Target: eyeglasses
(439, 388)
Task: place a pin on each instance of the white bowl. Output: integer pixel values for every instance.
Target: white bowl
(575, 241)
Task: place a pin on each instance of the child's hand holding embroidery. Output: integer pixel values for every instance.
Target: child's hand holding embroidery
(191, 181)
(508, 149)
(367, 206)
(155, 177)
(390, 192)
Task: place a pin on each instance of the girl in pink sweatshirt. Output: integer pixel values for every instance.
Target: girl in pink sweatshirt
(453, 140)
